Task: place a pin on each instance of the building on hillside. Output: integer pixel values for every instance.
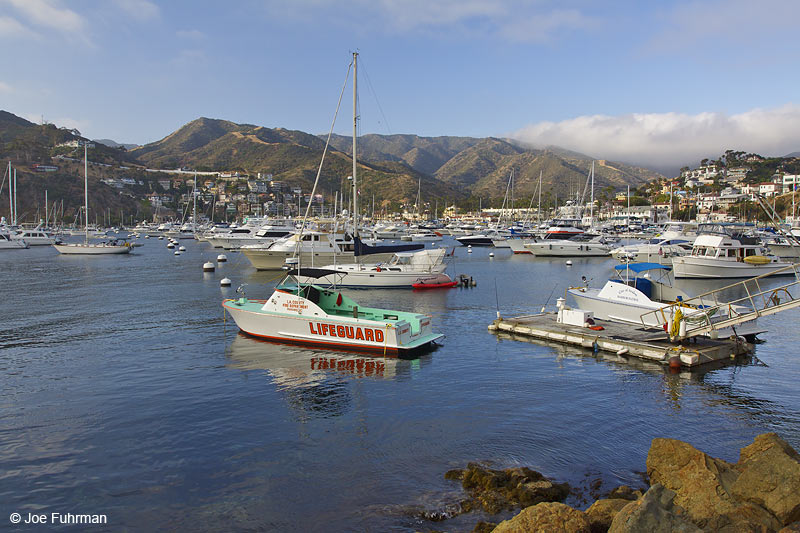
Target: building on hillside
(736, 174)
(705, 174)
(790, 182)
(44, 168)
(77, 143)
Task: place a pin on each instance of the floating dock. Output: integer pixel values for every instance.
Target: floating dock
(622, 339)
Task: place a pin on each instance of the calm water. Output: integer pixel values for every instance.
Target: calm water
(123, 392)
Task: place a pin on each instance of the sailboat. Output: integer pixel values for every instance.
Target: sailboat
(300, 312)
(85, 248)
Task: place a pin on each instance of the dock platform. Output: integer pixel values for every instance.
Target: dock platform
(624, 340)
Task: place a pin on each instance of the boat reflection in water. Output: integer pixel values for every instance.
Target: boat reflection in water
(677, 382)
(298, 366)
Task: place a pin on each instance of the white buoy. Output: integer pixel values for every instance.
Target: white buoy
(569, 263)
(225, 282)
(177, 252)
(170, 245)
(469, 249)
(182, 248)
(491, 254)
(208, 266)
(160, 237)
(146, 236)
(221, 258)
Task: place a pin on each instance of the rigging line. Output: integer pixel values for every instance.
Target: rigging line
(375, 95)
(322, 160)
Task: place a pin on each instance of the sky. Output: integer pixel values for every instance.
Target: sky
(660, 84)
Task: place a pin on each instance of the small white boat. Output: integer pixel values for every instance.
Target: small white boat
(7, 243)
(86, 248)
(308, 314)
(641, 288)
(584, 245)
(654, 250)
(403, 270)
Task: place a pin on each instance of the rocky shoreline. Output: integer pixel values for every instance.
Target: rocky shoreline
(689, 491)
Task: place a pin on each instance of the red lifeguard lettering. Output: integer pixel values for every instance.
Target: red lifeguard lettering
(331, 330)
(348, 331)
(378, 335)
(359, 334)
(340, 331)
(322, 329)
(311, 327)
(368, 334)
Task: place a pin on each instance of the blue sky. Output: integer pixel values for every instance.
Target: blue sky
(658, 83)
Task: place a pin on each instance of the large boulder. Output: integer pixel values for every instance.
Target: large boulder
(770, 477)
(602, 512)
(655, 512)
(546, 517)
(702, 484)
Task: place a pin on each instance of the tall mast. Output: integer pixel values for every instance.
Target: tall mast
(10, 197)
(194, 205)
(539, 209)
(355, 132)
(86, 190)
(16, 208)
(591, 204)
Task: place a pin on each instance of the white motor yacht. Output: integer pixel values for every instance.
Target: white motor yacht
(584, 245)
(720, 253)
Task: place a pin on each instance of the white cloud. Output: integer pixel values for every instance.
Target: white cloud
(726, 22)
(139, 9)
(671, 139)
(194, 35)
(5, 88)
(50, 14)
(13, 29)
(72, 123)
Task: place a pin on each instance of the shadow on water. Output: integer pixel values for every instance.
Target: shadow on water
(676, 381)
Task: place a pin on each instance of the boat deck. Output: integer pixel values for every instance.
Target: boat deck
(623, 340)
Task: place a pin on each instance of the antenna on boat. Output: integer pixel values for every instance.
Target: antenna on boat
(496, 298)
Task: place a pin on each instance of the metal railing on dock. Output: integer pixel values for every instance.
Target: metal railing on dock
(706, 314)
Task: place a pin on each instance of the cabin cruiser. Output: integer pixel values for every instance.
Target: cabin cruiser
(641, 288)
(658, 249)
(722, 252)
(582, 245)
(34, 237)
(484, 238)
(316, 248)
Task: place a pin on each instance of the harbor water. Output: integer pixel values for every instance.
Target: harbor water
(124, 391)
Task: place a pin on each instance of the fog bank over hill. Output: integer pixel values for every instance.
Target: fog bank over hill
(668, 141)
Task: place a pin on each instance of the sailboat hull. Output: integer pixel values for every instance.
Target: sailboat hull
(92, 249)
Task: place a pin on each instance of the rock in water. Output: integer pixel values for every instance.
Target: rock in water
(655, 512)
(548, 516)
(770, 477)
(496, 490)
(602, 513)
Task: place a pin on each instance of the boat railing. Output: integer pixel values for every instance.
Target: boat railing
(707, 313)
